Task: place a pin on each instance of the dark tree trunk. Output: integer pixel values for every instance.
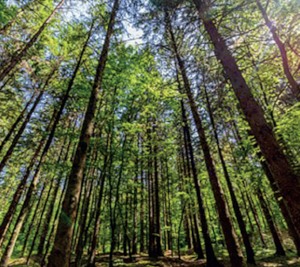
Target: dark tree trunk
(135, 202)
(43, 263)
(252, 207)
(40, 221)
(210, 255)
(18, 120)
(142, 246)
(18, 56)
(294, 86)
(26, 205)
(31, 224)
(283, 173)
(125, 226)
(236, 208)
(20, 189)
(151, 245)
(24, 124)
(233, 247)
(279, 248)
(49, 213)
(60, 255)
(159, 251)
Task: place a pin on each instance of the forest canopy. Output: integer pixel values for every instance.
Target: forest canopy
(149, 133)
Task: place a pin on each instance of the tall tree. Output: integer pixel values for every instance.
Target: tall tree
(60, 255)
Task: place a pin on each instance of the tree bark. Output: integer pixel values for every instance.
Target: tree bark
(210, 255)
(279, 248)
(233, 247)
(60, 254)
(283, 173)
(142, 247)
(236, 208)
(49, 213)
(31, 224)
(157, 202)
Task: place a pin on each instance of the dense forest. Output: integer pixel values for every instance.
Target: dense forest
(149, 133)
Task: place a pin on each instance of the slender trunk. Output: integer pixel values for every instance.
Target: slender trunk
(169, 217)
(134, 237)
(178, 234)
(252, 207)
(43, 263)
(40, 222)
(19, 191)
(247, 211)
(31, 224)
(48, 216)
(125, 226)
(142, 204)
(60, 254)
(80, 246)
(235, 252)
(26, 205)
(281, 46)
(44, 209)
(279, 248)
(92, 254)
(236, 208)
(157, 204)
(283, 173)
(210, 255)
(187, 231)
(292, 229)
(198, 249)
(18, 56)
(24, 124)
(14, 126)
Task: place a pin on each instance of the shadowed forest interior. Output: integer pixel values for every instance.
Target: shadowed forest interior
(149, 133)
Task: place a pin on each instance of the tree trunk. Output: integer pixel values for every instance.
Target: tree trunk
(252, 207)
(14, 126)
(60, 254)
(31, 224)
(236, 208)
(26, 205)
(294, 86)
(18, 56)
(135, 202)
(210, 255)
(24, 124)
(283, 173)
(142, 248)
(157, 203)
(279, 248)
(235, 252)
(49, 213)
(19, 191)
(43, 263)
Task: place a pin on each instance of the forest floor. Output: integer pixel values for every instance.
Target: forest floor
(264, 258)
(168, 261)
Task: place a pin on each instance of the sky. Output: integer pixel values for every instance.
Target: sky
(73, 9)
(132, 37)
